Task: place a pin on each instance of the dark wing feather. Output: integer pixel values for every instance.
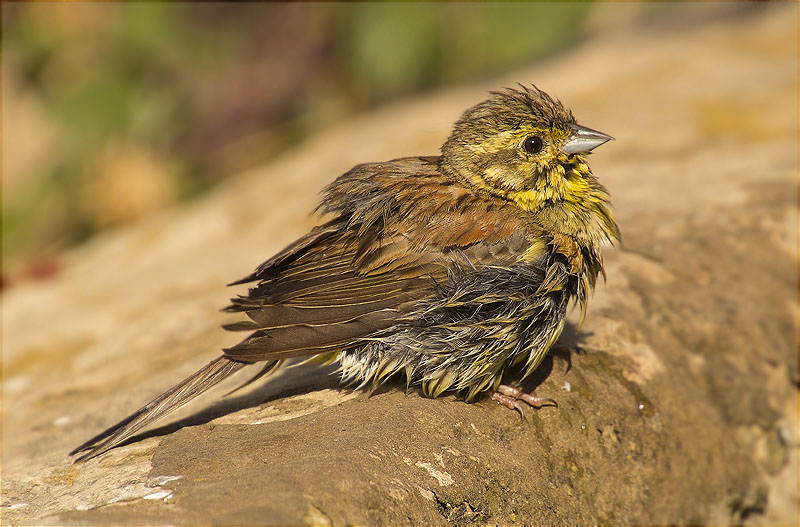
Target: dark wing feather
(281, 316)
(318, 304)
(305, 339)
(294, 250)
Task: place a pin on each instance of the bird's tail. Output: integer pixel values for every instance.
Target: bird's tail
(172, 399)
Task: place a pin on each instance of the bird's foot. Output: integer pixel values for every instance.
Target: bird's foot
(513, 398)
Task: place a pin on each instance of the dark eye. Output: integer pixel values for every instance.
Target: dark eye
(533, 144)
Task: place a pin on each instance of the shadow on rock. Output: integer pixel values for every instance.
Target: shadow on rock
(297, 380)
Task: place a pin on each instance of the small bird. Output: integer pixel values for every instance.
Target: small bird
(448, 270)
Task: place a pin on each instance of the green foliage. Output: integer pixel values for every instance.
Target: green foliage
(397, 47)
(393, 47)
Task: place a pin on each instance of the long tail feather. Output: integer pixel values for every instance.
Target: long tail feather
(172, 399)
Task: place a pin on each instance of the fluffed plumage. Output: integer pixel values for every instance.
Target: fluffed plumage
(448, 270)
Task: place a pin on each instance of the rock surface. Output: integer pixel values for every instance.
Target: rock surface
(677, 397)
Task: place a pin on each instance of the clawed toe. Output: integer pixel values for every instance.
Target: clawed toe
(510, 397)
(508, 402)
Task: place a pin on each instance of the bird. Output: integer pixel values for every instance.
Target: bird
(448, 270)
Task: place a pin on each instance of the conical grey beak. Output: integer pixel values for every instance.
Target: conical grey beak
(584, 140)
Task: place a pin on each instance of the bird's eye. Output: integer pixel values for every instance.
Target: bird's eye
(533, 144)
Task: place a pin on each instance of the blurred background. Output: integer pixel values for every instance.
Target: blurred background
(112, 111)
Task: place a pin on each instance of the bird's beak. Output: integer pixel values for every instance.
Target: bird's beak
(584, 140)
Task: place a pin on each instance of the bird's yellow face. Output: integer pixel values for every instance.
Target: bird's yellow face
(525, 148)
(528, 166)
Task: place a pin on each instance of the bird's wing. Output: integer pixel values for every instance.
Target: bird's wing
(323, 302)
(399, 229)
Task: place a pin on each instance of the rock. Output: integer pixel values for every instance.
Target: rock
(677, 397)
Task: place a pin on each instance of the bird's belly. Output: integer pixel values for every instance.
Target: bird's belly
(467, 351)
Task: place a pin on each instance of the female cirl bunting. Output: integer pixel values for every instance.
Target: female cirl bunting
(447, 270)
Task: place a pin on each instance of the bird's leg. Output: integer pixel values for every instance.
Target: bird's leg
(510, 397)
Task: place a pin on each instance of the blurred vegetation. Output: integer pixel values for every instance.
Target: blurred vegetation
(114, 110)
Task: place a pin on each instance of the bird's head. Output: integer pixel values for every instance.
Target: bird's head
(525, 147)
